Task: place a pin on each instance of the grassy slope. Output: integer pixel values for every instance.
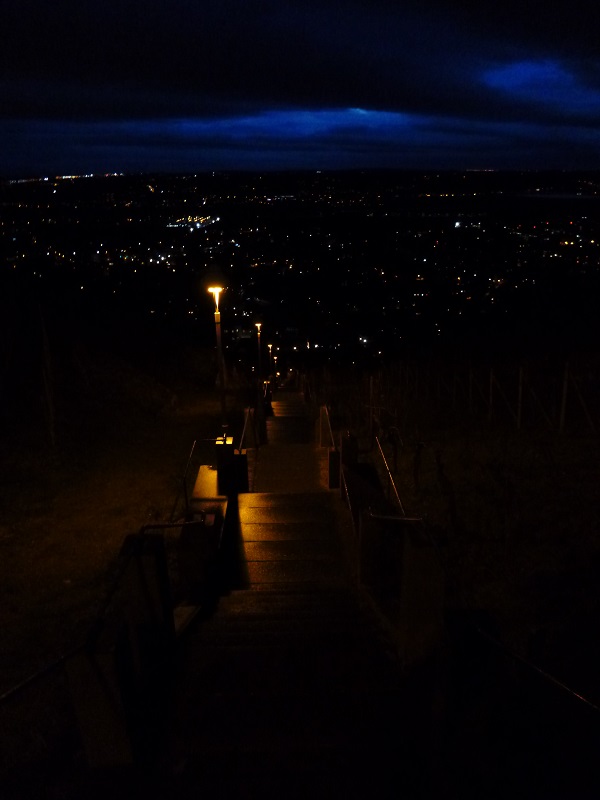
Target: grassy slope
(122, 443)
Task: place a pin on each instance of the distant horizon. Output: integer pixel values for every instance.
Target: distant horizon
(296, 170)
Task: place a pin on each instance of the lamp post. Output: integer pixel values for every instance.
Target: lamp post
(258, 326)
(216, 291)
(270, 346)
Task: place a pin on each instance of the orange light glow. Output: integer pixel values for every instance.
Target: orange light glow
(216, 291)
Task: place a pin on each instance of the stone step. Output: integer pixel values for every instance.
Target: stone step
(284, 630)
(293, 599)
(289, 499)
(315, 770)
(284, 515)
(285, 531)
(311, 572)
(288, 430)
(318, 549)
(289, 405)
(283, 722)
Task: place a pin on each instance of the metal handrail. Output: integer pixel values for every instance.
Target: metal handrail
(41, 673)
(184, 487)
(243, 436)
(413, 520)
(163, 526)
(393, 517)
(325, 409)
(184, 479)
(346, 496)
(542, 675)
(62, 659)
(390, 478)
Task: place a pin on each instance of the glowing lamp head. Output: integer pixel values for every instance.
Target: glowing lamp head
(216, 291)
(258, 325)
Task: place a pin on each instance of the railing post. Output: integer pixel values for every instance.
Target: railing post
(563, 401)
(116, 681)
(520, 399)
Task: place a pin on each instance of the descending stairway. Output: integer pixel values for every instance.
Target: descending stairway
(292, 689)
(290, 461)
(289, 422)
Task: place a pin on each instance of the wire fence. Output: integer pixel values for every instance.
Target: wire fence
(551, 395)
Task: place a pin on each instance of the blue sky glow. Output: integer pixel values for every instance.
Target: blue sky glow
(547, 83)
(297, 138)
(312, 84)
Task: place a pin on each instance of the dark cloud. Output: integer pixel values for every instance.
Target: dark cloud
(490, 65)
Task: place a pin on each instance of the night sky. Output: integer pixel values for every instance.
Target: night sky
(187, 85)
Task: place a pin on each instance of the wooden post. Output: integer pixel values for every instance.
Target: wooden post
(541, 407)
(583, 404)
(503, 396)
(371, 409)
(470, 390)
(563, 402)
(49, 405)
(520, 399)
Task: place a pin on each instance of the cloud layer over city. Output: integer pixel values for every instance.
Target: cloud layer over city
(188, 86)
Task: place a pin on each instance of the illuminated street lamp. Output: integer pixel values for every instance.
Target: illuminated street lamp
(258, 326)
(270, 346)
(216, 291)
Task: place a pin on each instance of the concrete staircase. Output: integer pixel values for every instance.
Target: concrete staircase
(292, 688)
(290, 461)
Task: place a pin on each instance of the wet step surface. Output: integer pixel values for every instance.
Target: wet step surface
(292, 688)
(290, 461)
